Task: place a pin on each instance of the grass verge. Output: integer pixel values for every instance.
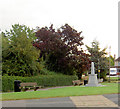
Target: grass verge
(113, 78)
(110, 88)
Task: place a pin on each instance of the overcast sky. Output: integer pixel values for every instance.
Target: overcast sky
(98, 19)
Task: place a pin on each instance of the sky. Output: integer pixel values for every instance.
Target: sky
(97, 19)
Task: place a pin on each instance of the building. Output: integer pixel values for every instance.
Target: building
(115, 70)
(117, 62)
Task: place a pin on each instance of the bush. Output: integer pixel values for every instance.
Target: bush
(42, 80)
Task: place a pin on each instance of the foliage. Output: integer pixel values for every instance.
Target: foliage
(111, 60)
(18, 54)
(62, 50)
(44, 71)
(42, 80)
(99, 58)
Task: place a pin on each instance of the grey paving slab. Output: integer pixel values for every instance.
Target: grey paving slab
(92, 101)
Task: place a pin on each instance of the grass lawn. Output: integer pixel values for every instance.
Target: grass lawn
(63, 92)
(113, 77)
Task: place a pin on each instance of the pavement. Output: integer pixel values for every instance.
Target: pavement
(107, 101)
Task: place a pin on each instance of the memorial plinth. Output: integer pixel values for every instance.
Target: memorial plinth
(93, 82)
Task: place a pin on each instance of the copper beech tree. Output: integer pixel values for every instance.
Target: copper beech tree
(61, 50)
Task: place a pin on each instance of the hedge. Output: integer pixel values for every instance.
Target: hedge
(42, 80)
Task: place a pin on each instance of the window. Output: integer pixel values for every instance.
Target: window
(112, 70)
(118, 70)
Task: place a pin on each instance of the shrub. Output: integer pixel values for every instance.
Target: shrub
(42, 80)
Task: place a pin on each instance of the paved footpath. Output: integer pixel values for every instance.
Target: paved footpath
(108, 100)
(93, 101)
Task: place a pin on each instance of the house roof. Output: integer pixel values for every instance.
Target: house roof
(115, 67)
(118, 59)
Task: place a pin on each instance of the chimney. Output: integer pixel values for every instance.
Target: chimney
(114, 56)
(114, 60)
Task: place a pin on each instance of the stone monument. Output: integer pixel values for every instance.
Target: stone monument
(93, 77)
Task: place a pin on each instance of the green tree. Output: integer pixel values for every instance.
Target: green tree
(99, 58)
(111, 60)
(19, 56)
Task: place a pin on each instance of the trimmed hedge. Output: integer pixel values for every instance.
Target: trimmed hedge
(42, 80)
